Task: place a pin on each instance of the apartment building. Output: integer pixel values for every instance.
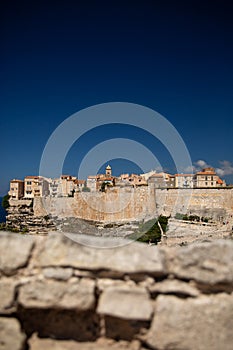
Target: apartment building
(35, 186)
(16, 189)
(207, 178)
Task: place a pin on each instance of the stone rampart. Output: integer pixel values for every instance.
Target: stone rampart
(114, 205)
(135, 204)
(57, 294)
(215, 203)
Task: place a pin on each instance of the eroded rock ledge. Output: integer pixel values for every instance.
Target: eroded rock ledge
(55, 293)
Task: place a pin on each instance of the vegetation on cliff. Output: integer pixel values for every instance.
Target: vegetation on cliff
(5, 201)
(186, 217)
(150, 232)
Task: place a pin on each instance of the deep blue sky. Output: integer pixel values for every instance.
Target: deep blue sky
(58, 57)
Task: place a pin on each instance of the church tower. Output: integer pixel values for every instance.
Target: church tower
(108, 170)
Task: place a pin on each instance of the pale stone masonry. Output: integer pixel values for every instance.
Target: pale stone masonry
(35, 186)
(57, 294)
(16, 189)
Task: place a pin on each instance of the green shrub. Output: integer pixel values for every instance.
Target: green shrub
(86, 189)
(153, 235)
(5, 201)
(179, 216)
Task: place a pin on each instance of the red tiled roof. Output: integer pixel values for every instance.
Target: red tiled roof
(32, 177)
(66, 176)
(206, 173)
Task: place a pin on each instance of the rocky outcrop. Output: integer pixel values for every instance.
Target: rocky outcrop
(185, 232)
(57, 294)
(21, 218)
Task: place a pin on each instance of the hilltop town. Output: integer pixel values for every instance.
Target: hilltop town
(67, 185)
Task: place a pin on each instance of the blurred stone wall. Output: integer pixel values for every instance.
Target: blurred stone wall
(58, 294)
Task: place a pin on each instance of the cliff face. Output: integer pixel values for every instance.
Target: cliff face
(20, 217)
(122, 206)
(215, 203)
(55, 293)
(113, 206)
(140, 203)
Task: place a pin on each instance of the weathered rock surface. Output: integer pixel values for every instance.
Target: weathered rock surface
(58, 273)
(11, 337)
(77, 297)
(174, 287)
(125, 302)
(15, 251)
(7, 295)
(204, 323)
(103, 344)
(205, 263)
(60, 251)
(54, 294)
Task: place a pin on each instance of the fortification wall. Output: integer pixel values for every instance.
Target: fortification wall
(114, 205)
(140, 203)
(202, 202)
(57, 294)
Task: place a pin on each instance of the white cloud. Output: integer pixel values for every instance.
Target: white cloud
(225, 169)
(201, 164)
(189, 170)
(197, 166)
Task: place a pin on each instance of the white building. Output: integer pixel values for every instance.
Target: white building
(35, 186)
(208, 178)
(16, 189)
(184, 180)
(92, 182)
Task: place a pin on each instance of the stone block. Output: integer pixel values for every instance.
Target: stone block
(206, 263)
(11, 337)
(179, 288)
(125, 302)
(101, 344)
(61, 251)
(7, 295)
(58, 273)
(15, 251)
(203, 323)
(54, 294)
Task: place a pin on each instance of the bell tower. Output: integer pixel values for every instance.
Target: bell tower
(108, 170)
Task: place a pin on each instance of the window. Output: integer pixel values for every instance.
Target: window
(29, 182)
